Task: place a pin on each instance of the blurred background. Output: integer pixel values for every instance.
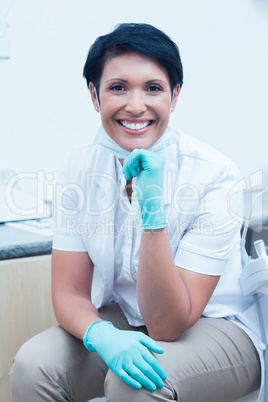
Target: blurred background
(45, 108)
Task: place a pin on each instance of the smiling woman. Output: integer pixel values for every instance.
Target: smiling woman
(134, 107)
(170, 321)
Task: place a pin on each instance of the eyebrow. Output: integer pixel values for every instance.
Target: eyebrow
(125, 81)
(116, 79)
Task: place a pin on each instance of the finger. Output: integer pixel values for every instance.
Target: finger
(150, 343)
(133, 167)
(128, 379)
(153, 363)
(129, 170)
(148, 371)
(140, 377)
(126, 171)
(135, 158)
(130, 166)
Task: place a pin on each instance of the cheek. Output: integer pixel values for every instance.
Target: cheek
(164, 112)
(163, 108)
(107, 110)
(110, 108)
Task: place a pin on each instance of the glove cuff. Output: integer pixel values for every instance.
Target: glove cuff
(153, 218)
(89, 338)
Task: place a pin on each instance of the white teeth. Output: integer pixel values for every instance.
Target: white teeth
(134, 126)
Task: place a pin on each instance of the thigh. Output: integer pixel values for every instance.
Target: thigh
(55, 366)
(213, 361)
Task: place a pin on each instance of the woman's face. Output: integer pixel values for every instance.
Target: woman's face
(135, 100)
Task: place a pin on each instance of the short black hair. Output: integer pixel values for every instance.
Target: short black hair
(134, 37)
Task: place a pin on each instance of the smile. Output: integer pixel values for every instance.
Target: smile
(135, 126)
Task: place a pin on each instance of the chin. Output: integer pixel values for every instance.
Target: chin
(137, 145)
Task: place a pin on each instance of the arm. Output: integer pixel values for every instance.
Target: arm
(125, 352)
(72, 274)
(171, 299)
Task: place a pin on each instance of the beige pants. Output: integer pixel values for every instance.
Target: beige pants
(212, 362)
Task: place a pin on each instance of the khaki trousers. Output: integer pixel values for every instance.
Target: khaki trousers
(214, 361)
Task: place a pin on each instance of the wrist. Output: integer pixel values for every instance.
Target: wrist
(92, 333)
(154, 217)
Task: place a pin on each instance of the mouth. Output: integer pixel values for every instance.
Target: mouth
(135, 127)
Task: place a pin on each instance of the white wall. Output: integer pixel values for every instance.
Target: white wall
(45, 109)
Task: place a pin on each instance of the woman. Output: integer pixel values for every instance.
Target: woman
(148, 208)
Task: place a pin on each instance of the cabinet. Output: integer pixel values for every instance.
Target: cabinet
(25, 308)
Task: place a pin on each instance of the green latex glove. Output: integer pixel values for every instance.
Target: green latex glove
(127, 354)
(148, 167)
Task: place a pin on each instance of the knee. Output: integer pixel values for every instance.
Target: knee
(116, 390)
(34, 358)
(23, 371)
(32, 374)
(25, 364)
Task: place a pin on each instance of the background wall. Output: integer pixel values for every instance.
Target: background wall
(45, 108)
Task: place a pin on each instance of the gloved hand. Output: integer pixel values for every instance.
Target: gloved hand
(148, 167)
(126, 353)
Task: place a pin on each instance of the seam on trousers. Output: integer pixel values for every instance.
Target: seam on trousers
(67, 377)
(171, 389)
(70, 368)
(67, 391)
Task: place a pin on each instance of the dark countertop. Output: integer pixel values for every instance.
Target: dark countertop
(33, 238)
(16, 242)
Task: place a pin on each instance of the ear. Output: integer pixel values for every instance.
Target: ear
(94, 95)
(175, 95)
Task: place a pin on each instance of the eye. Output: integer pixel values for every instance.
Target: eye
(117, 87)
(154, 88)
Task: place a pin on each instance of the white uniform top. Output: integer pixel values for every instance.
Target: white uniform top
(204, 212)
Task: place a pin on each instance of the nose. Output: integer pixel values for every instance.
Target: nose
(136, 102)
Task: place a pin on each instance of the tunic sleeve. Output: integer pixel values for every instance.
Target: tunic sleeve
(214, 232)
